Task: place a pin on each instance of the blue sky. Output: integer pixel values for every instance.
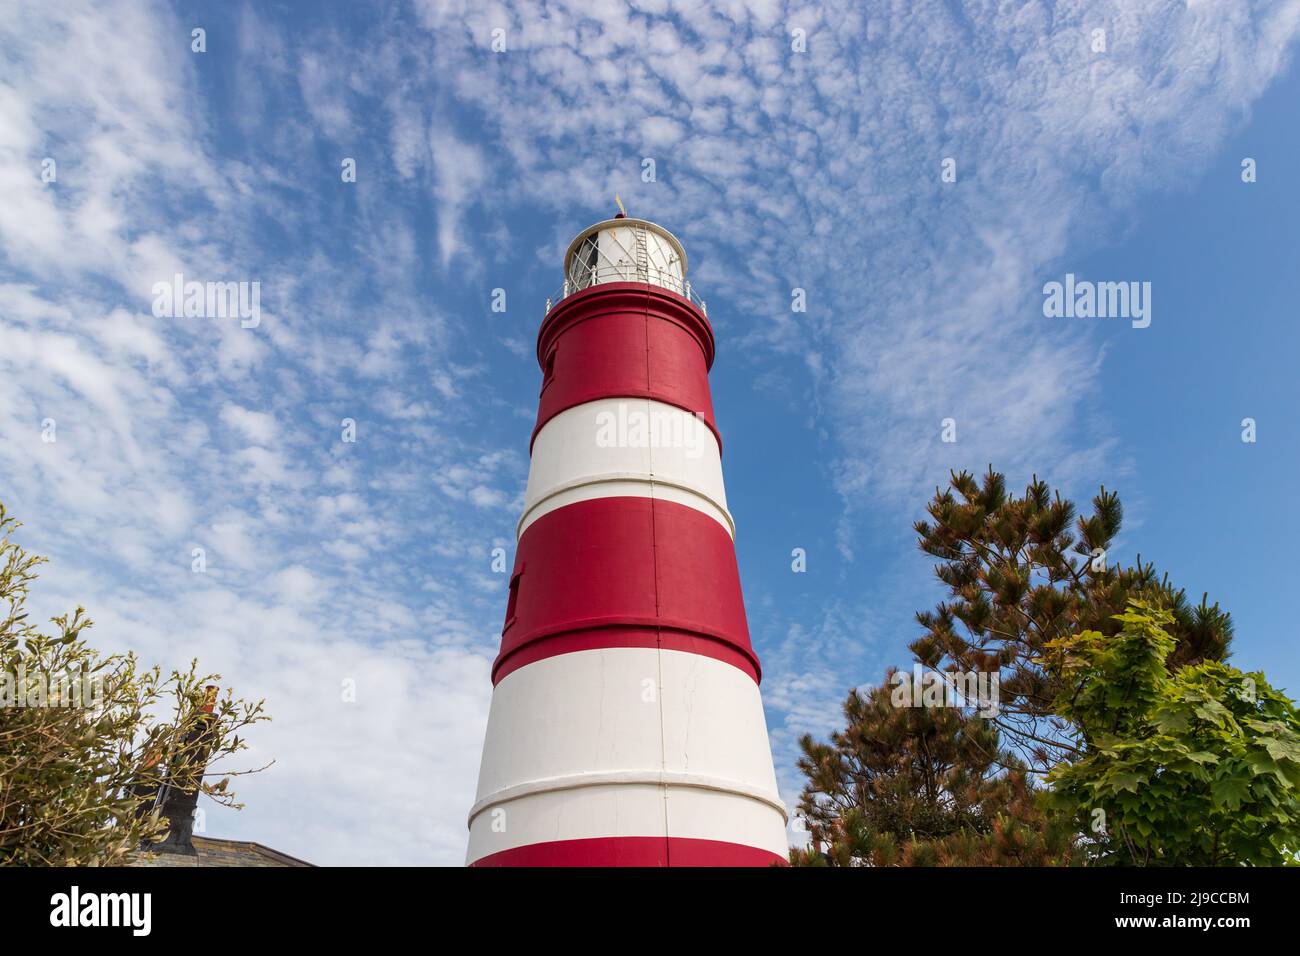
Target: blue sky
(370, 561)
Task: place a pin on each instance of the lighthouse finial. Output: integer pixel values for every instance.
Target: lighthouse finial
(622, 213)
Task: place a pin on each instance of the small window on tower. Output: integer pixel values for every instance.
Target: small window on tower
(549, 371)
(514, 599)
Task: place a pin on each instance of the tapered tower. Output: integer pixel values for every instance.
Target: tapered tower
(626, 726)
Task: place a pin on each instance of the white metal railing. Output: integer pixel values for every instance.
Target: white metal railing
(582, 277)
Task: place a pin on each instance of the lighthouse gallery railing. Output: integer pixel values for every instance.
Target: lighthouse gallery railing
(585, 278)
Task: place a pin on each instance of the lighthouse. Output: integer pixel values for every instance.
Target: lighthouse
(626, 726)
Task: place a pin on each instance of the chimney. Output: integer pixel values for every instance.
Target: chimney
(177, 805)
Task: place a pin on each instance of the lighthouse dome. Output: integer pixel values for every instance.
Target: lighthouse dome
(624, 249)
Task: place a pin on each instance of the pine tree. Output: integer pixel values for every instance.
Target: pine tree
(905, 785)
(1022, 572)
(946, 786)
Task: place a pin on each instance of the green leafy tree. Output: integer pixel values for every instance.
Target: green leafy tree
(86, 740)
(906, 785)
(1025, 571)
(1192, 765)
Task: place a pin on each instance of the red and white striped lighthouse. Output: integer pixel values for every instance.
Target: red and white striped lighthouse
(626, 726)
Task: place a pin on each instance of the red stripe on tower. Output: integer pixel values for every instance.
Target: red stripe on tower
(626, 726)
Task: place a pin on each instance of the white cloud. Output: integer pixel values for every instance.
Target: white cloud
(256, 426)
(459, 174)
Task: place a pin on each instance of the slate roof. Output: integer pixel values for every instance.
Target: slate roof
(228, 853)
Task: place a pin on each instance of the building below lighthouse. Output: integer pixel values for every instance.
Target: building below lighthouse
(626, 726)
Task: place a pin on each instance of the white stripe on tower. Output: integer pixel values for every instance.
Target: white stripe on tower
(569, 464)
(639, 742)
